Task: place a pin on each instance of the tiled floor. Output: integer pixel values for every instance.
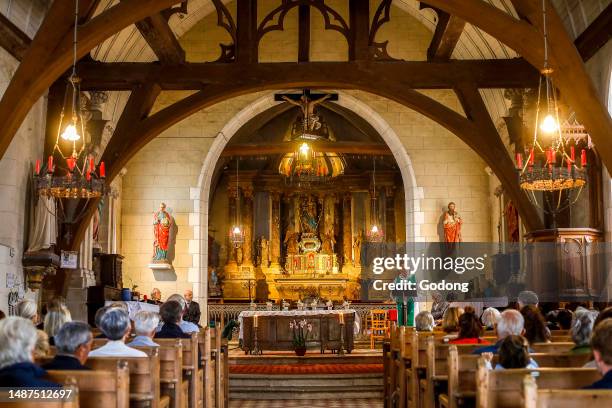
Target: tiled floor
(347, 403)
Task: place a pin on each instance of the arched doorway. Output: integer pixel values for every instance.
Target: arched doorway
(202, 199)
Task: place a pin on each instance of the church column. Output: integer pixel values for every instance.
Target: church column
(390, 214)
(347, 235)
(247, 246)
(232, 196)
(275, 244)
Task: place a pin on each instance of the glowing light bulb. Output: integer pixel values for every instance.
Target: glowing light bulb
(374, 229)
(70, 133)
(549, 124)
(236, 230)
(304, 149)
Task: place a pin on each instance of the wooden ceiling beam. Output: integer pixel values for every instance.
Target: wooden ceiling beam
(596, 35)
(514, 73)
(265, 149)
(136, 110)
(12, 39)
(359, 14)
(160, 37)
(445, 38)
(486, 141)
(52, 49)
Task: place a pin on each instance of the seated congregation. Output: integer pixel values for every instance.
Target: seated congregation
(147, 360)
(516, 357)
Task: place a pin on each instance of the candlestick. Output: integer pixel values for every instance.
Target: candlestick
(91, 165)
(37, 166)
(583, 158)
(341, 318)
(573, 153)
(519, 160)
(102, 170)
(50, 164)
(255, 321)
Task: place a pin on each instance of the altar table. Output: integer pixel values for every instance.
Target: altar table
(273, 332)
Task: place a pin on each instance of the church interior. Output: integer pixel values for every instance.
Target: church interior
(304, 203)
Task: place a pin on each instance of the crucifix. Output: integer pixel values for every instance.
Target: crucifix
(307, 102)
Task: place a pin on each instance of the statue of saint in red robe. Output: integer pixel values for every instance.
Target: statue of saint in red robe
(162, 223)
(452, 225)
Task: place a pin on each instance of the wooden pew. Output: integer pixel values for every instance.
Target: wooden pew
(69, 385)
(171, 372)
(190, 367)
(552, 348)
(394, 368)
(437, 368)
(386, 348)
(413, 356)
(220, 359)
(562, 398)
(144, 377)
(204, 344)
(462, 371)
(503, 388)
(108, 389)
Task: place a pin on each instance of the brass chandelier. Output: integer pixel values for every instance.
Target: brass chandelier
(75, 176)
(551, 164)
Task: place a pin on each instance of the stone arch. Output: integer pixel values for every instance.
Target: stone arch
(201, 194)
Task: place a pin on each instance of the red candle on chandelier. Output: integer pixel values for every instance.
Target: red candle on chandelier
(88, 176)
(50, 164)
(91, 165)
(573, 153)
(531, 157)
(102, 170)
(71, 161)
(37, 167)
(553, 156)
(583, 159)
(519, 161)
(569, 166)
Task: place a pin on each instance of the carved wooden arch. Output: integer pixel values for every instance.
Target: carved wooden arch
(287, 5)
(477, 131)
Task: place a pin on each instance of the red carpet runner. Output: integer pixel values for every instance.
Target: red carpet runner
(306, 369)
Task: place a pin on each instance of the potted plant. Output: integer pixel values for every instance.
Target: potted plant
(301, 331)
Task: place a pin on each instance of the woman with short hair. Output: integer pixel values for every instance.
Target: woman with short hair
(17, 341)
(470, 330)
(28, 310)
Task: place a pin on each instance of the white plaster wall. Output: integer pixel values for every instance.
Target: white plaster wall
(15, 169)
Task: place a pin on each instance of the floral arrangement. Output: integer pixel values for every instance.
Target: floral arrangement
(301, 331)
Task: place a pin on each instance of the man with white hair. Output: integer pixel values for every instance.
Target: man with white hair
(73, 342)
(145, 326)
(17, 341)
(115, 324)
(511, 323)
(193, 309)
(186, 327)
(490, 317)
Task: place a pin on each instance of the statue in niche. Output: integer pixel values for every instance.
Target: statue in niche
(512, 221)
(162, 225)
(291, 241)
(308, 216)
(328, 243)
(264, 250)
(357, 249)
(307, 106)
(452, 224)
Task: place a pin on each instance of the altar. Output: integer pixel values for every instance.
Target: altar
(274, 334)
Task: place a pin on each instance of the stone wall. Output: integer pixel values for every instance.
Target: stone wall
(167, 169)
(15, 169)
